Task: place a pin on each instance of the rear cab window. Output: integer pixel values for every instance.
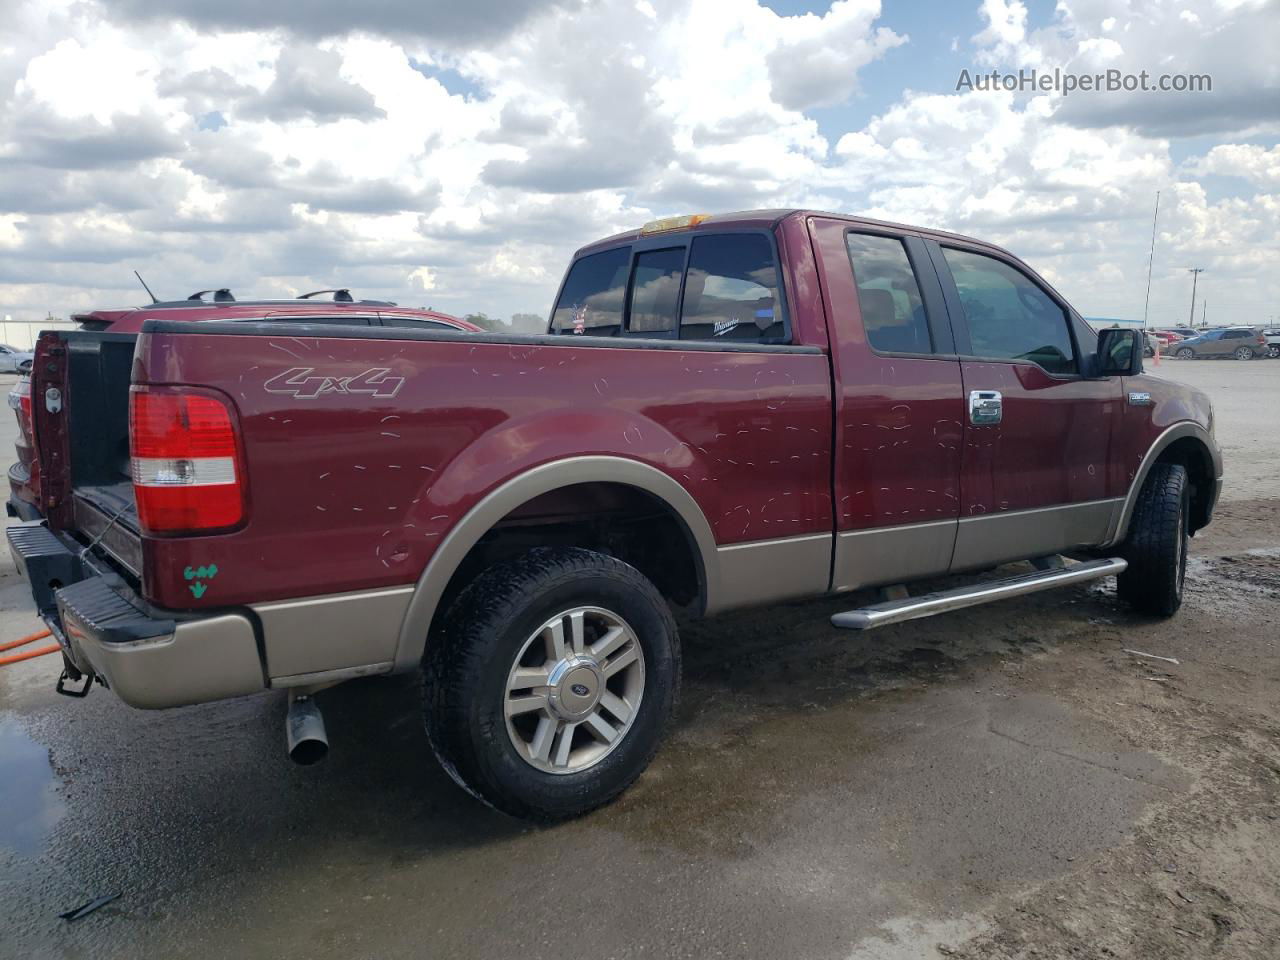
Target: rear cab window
(731, 290)
(712, 287)
(591, 299)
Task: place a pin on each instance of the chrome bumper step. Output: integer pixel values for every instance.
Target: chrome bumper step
(914, 608)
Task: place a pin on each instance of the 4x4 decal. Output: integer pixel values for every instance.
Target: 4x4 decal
(303, 383)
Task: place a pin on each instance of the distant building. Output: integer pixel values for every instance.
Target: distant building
(1101, 323)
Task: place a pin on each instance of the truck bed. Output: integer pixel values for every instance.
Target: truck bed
(364, 447)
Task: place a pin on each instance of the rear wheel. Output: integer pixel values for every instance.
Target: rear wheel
(1244, 353)
(1273, 350)
(552, 681)
(1156, 548)
(1186, 353)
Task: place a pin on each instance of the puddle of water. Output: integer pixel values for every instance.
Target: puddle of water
(29, 801)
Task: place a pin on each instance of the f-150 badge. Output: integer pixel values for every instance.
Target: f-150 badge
(303, 383)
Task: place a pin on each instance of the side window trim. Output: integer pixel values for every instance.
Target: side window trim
(935, 311)
(951, 294)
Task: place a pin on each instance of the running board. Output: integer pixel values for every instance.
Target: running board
(914, 608)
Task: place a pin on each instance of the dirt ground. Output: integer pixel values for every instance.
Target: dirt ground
(1005, 781)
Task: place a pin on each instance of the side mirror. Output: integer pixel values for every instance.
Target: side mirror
(1119, 353)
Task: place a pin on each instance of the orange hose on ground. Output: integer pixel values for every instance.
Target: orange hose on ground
(25, 640)
(29, 655)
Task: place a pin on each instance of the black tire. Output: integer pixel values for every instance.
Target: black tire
(1273, 350)
(1186, 353)
(1244, 353)
(1156, 547)
(468, 660)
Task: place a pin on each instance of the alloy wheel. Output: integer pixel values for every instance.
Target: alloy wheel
(574, 690)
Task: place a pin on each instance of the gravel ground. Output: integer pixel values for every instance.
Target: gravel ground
(1005, 781)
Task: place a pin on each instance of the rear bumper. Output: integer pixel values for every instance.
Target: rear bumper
(149, 659)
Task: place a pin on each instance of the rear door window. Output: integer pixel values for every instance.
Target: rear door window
(893, 313)
(592, 298)
(1009, 317)
(732, 290)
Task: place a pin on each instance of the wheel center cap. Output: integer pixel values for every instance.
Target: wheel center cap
(576, 685)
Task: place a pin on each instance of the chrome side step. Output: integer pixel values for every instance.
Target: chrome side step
(914, 608)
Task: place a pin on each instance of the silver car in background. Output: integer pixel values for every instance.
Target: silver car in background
(13, 360)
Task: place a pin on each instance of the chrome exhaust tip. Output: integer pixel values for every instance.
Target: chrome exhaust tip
(304, 730)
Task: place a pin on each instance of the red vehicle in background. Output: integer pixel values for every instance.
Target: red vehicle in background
(24, 475)
(724, 411)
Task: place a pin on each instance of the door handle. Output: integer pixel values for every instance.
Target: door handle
(986, 407)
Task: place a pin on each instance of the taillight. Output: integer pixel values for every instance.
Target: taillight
(20, 403)
(187, 474)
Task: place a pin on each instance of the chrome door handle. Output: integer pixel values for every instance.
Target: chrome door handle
(986, 407)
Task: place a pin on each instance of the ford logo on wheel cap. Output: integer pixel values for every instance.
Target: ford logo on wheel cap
(580, 689)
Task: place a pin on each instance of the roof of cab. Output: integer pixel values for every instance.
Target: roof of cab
(768, 219)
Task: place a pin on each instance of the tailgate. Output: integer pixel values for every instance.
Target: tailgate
(80, 404)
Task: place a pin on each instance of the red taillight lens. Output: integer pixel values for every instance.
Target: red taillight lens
(20, 403)
(187, 474)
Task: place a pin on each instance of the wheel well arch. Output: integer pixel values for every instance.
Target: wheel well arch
(1193, 455)
(1190, 446)
(622, 507)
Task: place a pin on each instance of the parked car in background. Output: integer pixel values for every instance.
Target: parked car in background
(1243, 343)
(1182, 332)
(1273, 341)
(13, 360)
(341, 309)
(25, 498)
(725, 411)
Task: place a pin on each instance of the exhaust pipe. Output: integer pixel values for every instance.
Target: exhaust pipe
(304, 728)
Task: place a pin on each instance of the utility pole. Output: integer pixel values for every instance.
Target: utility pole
(1195, 278)
(1204, 308)
(1150, 260)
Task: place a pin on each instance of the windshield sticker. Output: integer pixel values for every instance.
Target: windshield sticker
(302, 383)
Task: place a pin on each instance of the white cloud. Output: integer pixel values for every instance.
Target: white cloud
(1256, 164)
(461, 167)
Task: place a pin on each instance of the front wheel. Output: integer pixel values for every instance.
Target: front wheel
(1273, 350)
(1244, 353)
(1156, 547)
(551, 683)
(1186, 353)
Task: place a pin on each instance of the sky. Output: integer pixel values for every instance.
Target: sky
(455, 155)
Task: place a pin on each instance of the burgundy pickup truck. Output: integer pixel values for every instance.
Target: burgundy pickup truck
(725, 411)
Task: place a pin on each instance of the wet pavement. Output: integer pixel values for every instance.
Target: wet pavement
(1003, 781)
